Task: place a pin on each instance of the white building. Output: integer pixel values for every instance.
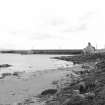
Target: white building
(89, 49)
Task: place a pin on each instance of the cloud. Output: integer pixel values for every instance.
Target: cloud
(44, 36)
(35, 36)
(81, 25)
(40, 36)
(87, 15)
(56, 22)
(69, 22)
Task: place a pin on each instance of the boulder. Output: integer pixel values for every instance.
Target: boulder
(49, 92)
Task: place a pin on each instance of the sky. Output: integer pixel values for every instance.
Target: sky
(51, 24)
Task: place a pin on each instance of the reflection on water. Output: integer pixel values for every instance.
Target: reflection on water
(31, 62)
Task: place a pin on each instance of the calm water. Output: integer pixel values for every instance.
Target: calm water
(31, 62)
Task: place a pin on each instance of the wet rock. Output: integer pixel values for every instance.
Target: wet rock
(16, 74)
(55, 82)
(28, 101)
(5, 65)
(4, 75)
(49, 92)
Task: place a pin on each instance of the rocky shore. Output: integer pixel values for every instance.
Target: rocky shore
(85, 86)
(23, 88)
(82, 84)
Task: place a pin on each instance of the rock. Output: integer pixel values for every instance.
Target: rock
(49, 92)
(4, 75)
(5, 65)
(55, 82)
(89, 95)
(15, 74)
(82, 87)
(100, 65)
(84, 72)
(75, 92)
(86, 86)
(85, 67)
(75, 100)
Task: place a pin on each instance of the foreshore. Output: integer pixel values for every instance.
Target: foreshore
(22, 88)
(82, 84)
(87, 87)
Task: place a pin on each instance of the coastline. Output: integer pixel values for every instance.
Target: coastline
(87, 87)
(25, 87)
(82, 84)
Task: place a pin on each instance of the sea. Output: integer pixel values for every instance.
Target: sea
(31, 63)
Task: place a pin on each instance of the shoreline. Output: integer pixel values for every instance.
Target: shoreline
(15, 90)
(81, 84)
(88, 88)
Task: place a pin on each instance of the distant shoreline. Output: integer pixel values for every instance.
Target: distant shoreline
(52, 51)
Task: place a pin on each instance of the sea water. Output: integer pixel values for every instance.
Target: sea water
(31, 63)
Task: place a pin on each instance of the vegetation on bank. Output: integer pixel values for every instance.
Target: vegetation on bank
(88, 88)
